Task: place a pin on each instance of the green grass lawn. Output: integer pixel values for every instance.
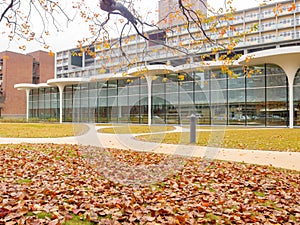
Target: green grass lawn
(40, 130)
(281, 139)
(103, 124)
(135, 129)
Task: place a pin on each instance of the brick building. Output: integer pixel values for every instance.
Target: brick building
(36, 67)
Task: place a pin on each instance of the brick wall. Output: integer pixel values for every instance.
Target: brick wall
(18, 68)
(46, 65)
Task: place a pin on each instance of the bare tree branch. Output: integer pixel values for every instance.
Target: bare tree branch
(7, 9)
(111, 6)
(120, 41)
(20, 23)
(192, 16)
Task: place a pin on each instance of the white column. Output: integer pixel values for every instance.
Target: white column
(27, 104)
(290, 67)
(149, 83)
(287, 59)
(61, 90)
(291, 101)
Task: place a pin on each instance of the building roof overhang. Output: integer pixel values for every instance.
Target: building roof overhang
(28, 86)
(205, 65)
(25, 86)
(67, 81)
(273, 56)
(108, 76)
(151, 70)
(288, 58)
(43, 85)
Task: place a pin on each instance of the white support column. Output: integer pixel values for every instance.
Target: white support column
(291, 101)
(27, 104)
(149, 83)
(61, 90)
(290, 67)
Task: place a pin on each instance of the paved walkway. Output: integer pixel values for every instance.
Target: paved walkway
(288, 160)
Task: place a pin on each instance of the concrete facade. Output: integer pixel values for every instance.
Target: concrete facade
(169, 13)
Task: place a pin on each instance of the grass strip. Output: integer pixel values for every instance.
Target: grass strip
(279, 139)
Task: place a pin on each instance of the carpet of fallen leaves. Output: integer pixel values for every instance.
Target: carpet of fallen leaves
(53, 184)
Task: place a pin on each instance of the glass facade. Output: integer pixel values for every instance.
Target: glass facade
(217, 99)
(297, 99)
(276, 96)
(44, 104)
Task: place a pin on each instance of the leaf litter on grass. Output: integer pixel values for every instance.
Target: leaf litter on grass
(65, 188)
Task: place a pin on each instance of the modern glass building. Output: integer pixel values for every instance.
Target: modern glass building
(259, 100)
(169, 88)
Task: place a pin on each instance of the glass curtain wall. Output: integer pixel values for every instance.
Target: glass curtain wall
(256, 96)
(159, 99)
(92, 101)
(123, 101)
(51, 110)
(112, 101)
(172, 99)
(84, 102)
(102, 102)
(277, 112)
(237, 114)
(218, 97)
(133, 96)
(202, 96)
(257, 100)
(143, 101)
(297, 99)
(41, 104)
(44, 104)
(260, 99)
(186, 86)
(34, 103)
(68, 107)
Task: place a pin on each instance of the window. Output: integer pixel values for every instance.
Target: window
(157, 38)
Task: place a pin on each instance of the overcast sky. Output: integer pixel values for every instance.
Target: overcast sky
(75, 31)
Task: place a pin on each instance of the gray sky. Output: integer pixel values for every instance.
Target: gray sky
(75, 31)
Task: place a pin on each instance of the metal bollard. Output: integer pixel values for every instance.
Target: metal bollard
(193, 123)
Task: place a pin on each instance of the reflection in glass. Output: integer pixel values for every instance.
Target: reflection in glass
(256, 100)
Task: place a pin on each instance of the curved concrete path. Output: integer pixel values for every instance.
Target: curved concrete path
(288, 160)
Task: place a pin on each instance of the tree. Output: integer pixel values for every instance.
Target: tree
(130, 21)
(18, 17)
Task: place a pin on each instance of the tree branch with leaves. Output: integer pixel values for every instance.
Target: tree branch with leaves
(19, 19)
(22, 17)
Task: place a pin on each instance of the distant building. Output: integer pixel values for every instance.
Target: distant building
(35, 67)
(169, 12)
(173, 85)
